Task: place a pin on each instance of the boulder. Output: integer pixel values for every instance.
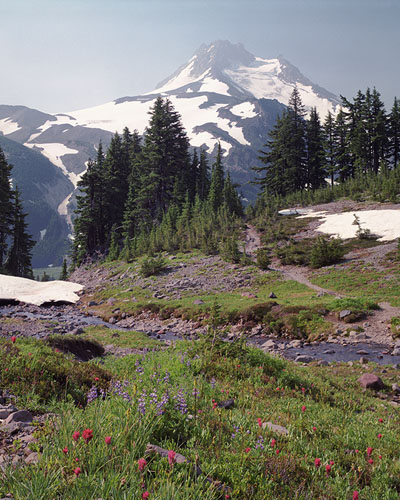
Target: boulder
(272, 296)
(19, 416)
(279, 429)
(343, 314)
(371, 381)
(303, 358)
(198, 302)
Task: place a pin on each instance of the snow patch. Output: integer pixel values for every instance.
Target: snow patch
(382, 223)
(7, 126)
(212, 85)
(35, 292)
(244, 110)
(42, 233)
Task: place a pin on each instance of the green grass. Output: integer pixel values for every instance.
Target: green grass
(120, 338)
(229, 445)
(360, 280)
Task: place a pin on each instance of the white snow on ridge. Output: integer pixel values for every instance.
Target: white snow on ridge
(244, 110)
(212, 85)
(35, 292)
(7, 126)
(382, 223)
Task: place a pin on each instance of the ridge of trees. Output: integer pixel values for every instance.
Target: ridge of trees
(301, 154)
(148, 194)
(15, 242)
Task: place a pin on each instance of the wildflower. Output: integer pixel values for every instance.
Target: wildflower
(108, 439)
(87, 435)
(247, 450)
(142, 464)
(380, 457)
(314, 428)
(171, 457)
(379, 436)
(370, 461)
(13, 339)
(273, 443)
(29, 354)
(259, 422)
(96, 379)
(145, 495)
(328, 468)
(65, 450)
(76, 435)
(76, 459)
(277, 451)
(303, 390)
(369, 451)
(331, 462)
(356, 451)
(77, 471)
(317, 462)
(355, 495)
(380, 420)
(303, 408)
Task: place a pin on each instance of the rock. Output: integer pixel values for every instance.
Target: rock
(323, 362)
(371, 381)
(77, 331)
(303, 358)
(396, 388)
(272, 296)
(363, 361)
(361, 351)
(112, 320)
(92, 303)
(269, 344)
(396, 351)
(228, 404)
(329, 351)
(19, 416)
(5, 411)
(248, 295)
(279, 429)
(321, 294)
(111, 301)
(338, 331)
(344, 313)
(32, 458)
(198, 302)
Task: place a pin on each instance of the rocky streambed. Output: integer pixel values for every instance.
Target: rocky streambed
(40, 322)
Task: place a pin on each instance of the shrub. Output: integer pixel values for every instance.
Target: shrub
(151, 266)
(326, 251)
(230, 250)
(295, 253)
(262, 259)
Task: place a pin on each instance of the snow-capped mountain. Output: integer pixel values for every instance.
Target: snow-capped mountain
(223, 93)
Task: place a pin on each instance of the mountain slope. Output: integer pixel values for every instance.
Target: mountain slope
(224, 95)
(43, 188)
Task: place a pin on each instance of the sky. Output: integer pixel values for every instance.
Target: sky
(64, 55)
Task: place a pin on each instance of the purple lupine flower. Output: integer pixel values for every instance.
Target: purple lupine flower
(92, 394)
(181, 404)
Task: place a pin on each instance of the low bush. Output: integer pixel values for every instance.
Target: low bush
(152, 265)
(326, 251)
(263, 260)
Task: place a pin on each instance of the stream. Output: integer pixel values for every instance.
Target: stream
(68, 319)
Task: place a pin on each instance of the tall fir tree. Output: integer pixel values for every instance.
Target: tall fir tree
(329, 145)
(19, 260)
(316, 171)
(6, 206)
(394, 133)
(215, 198)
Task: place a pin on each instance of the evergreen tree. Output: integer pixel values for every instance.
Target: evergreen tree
(19, 261)
(6, 206)
(316, 172)
(394, 133)
(203, 177)
(329, 145)
(344, 160)
(217, 182)
(64, 271)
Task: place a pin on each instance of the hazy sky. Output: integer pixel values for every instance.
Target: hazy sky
(63, 55)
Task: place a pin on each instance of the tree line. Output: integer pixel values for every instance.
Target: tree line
(15, 242)
(301, 153)
(152, 193)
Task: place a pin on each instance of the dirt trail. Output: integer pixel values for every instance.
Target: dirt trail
(376, 327)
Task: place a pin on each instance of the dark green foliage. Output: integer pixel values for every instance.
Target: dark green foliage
(152, 265)
(47, 374)
(326, 251)
(6, 207)
(19, 256)
(169, 202)
(64, 271)
(229, 249)
(263, 259)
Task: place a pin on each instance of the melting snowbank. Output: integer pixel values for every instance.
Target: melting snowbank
(383, 223)
(38, 293)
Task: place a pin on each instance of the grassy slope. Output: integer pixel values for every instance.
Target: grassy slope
(326, 414)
